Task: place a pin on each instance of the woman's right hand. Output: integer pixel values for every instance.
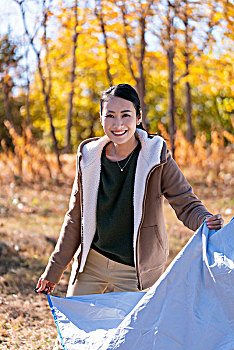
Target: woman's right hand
(44, 285)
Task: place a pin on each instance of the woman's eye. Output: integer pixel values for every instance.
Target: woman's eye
(109, 116)
(125, 115)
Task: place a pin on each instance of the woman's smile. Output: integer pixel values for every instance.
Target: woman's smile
(119, 132)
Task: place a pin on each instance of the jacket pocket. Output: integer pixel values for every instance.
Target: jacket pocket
(159, 237)
(152, 250)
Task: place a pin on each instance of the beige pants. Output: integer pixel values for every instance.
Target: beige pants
(102, 275)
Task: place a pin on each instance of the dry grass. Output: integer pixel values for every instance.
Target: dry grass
(30, 221)
(33, 162)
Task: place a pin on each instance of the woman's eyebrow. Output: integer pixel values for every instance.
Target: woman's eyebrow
(126, 110)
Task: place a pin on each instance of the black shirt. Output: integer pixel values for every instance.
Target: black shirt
(115, 215)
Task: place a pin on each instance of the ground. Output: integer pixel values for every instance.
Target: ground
(30, 219)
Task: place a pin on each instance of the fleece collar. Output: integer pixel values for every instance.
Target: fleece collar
(91, 149)
(90, 164)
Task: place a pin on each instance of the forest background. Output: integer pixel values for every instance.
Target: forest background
(56, 58)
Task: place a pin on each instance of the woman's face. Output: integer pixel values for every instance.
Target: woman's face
(119, 119)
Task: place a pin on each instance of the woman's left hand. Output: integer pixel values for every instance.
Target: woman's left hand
(215, 222)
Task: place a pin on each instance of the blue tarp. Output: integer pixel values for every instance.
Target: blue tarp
(191, 307)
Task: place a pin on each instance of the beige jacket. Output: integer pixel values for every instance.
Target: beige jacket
(157, 175)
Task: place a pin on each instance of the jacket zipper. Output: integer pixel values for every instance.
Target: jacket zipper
(141, 223)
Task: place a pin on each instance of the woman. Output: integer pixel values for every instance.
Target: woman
(114, 227)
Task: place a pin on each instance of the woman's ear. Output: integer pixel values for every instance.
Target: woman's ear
(139, 119)
(100, 117)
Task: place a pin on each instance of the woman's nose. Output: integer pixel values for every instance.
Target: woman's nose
(118, 122)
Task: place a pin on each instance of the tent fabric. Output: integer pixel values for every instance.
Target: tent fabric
(191, 306)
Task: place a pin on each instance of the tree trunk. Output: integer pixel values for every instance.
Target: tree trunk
(140, 79)
(99, 15)
(52, 131)
(28, 106)
(5, 91)
(140, 86)
(172, 126)
(141, 82)
(46, 95)
(28, 93)
(188, 109)
(45, 92)
(189, 127)
(73, 76)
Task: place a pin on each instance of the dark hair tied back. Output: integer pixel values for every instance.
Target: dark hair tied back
(125, 91)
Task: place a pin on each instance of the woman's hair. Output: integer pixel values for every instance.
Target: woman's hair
(125, 91)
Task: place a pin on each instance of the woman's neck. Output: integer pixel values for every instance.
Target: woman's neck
(117, 152)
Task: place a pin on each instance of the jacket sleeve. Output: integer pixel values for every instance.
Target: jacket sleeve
(69, 238)
(179, 193)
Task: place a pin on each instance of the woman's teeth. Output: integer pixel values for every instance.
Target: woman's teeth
(119, 133)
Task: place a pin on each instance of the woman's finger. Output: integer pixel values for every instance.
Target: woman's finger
(44, 286)
(214, 222)
(214, 217)
(216, 227)
(49, 287)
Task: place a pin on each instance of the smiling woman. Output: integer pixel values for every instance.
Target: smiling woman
(119, 122)
(115, 227)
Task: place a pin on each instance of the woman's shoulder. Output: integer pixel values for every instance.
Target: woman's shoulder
(91, 148)
(149, 137)
(90, 143)
(153, 147)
